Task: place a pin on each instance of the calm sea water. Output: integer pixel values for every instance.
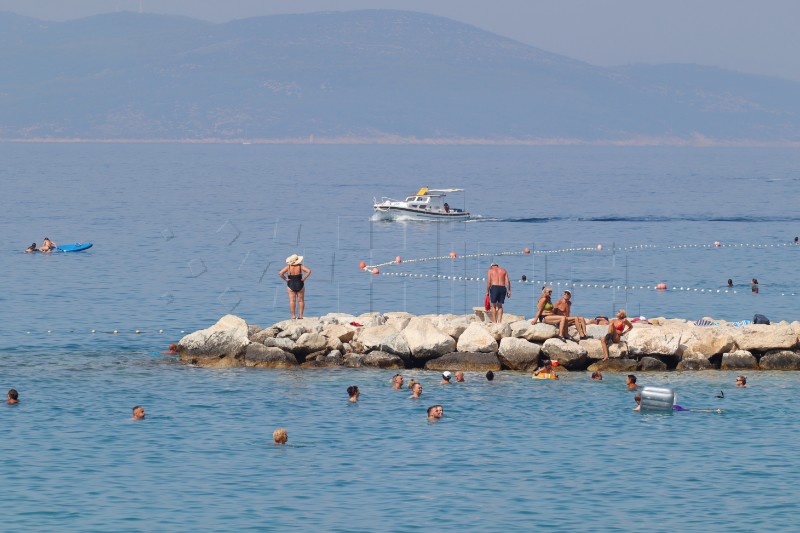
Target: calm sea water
(186, 233)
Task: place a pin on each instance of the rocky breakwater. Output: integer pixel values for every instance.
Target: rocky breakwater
(467, 342)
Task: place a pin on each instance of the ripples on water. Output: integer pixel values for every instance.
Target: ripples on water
(184, 234)
(515, 453)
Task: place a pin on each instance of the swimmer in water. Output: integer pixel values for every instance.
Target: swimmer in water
(353, 392)
(489, 375)
(279, 436)
(13, 397)
(47, 245)
(597, 375)
(416, 392)
(446, 375)
(741, 381)
(31, 249)
(630, 381)
(138, 413)
(730, 282)
(435, 412)
(397, 382)
(459, 376)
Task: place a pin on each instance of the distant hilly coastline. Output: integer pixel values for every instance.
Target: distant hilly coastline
(375, 76)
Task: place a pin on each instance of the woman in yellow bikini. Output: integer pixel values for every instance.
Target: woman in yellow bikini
(546, 313)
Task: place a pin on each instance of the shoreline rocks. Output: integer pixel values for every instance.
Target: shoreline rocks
(468, 342)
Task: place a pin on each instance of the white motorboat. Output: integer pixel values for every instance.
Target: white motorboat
(426, 204)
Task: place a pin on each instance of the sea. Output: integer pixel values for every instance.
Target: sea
(183, 234)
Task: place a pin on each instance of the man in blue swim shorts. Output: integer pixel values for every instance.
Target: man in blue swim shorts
(496, 283)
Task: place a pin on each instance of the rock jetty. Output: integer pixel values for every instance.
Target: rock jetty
(469, 342)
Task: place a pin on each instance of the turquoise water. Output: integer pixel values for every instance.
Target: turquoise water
(184, 234)
(513, 454)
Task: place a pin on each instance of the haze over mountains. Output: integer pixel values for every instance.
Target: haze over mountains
(361, 75)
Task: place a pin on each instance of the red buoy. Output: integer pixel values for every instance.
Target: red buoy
(362, 265)
(661, 286)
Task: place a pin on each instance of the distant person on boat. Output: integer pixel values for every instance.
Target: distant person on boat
(30, 249)
(47, 245)
(563, 307)
(293, 275)
(616, 329)
(496, 282)
(545, 313)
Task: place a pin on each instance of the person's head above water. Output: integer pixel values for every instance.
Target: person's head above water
(489, 375)
(279, 436)
(741, 381)
(353, 392)
(435, 411)
(138, 412)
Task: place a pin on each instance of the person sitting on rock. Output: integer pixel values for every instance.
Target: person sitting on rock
(563, 307)
(545, 313)
(616, 329)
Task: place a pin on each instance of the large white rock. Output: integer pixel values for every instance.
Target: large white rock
(653, 341)
(383, 338)
(477, 338)
(342, 332)
(498, 331)
(337, 318)
(398, 320)
(763, 337)
(228, 337)
(594, 350)
(705, 342)
(570, 355)
(309, 343)
(518, 354)
(293, 329)
(425, 341)
(538, 332)
(738, 360)
(453, 325)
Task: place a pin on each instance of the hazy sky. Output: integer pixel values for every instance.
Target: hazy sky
(759, 37)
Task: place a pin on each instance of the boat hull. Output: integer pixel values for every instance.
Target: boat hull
(404, 213)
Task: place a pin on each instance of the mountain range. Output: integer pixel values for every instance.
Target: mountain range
(372, 76)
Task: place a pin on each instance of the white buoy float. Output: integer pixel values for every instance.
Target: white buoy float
(657, 399)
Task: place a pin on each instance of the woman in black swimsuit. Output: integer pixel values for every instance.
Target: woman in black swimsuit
(295, 274)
